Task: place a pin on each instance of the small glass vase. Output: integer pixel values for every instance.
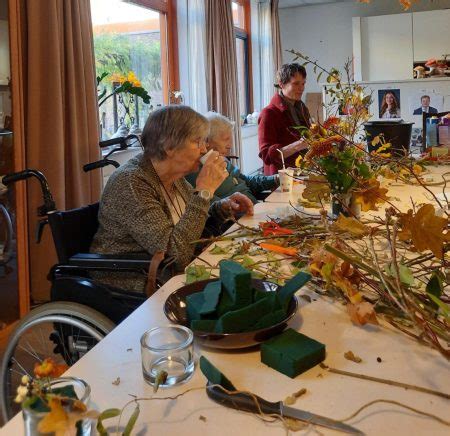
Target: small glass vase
(31, 418)
(344, 204)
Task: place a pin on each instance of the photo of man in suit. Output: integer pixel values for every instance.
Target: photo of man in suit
(425, 102)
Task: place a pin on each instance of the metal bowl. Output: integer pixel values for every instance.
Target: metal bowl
(175, 311)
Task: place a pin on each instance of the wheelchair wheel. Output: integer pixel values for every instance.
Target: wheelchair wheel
(61, 330)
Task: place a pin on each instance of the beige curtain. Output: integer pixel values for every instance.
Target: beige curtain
(223, 95)
(60, 114)
(276, 38)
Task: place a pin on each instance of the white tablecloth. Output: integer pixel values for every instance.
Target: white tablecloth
(335, 396)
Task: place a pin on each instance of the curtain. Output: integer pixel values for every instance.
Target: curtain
(60, 113)
(276, 37)
(266, 53)
(223, 95)
(196, 41)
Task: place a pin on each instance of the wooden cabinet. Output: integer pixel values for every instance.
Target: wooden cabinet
(431, 34)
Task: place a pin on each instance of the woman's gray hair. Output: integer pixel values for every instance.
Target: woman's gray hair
(218, 123)
(170, 128)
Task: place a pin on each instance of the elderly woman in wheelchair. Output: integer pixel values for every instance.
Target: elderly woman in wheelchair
(145, 226)
(147, 206)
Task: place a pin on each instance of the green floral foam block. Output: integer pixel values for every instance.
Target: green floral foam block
(292, 353)
(237, 281)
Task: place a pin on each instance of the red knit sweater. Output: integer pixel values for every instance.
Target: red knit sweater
(275, 130)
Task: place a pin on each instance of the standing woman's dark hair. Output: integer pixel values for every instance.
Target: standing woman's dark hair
(287, 71)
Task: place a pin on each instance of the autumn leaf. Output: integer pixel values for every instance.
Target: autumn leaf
(425, 229)
(362, 313)
(316, 189)
(351, 225)
(369, 197)
(347, 287)
(62, 422)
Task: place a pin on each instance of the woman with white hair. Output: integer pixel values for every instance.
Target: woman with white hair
(147, 205)
(220, 139)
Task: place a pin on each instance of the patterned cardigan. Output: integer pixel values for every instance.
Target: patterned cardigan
(135, 218)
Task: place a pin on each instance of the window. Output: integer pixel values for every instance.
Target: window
(241, 21)
(131, 43)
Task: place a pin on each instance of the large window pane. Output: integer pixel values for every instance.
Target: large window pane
(128, 46)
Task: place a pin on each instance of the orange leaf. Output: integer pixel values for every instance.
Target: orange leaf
(55, 420)
(279, 249)
(62, 422)
(362, 313)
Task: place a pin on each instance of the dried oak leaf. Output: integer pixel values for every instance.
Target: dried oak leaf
(316, 189)
(370, 196)
(362, 313)
(425, 229)
(351, 225)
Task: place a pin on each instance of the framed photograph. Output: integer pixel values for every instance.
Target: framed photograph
(428, 102)
(389, 103)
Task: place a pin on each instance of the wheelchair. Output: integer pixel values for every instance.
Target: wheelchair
(82, 310)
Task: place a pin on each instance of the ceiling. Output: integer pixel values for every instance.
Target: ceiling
(291, 3)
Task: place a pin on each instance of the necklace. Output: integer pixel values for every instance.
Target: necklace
(178, 209)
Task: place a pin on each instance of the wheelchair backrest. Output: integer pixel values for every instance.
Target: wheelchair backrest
(73, 230)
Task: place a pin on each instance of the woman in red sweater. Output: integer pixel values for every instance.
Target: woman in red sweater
(277, 120)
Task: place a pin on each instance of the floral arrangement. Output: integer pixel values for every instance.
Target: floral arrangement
(336, 160)
(122, 84)
(127, 87)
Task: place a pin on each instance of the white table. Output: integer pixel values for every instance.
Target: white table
(335, 396)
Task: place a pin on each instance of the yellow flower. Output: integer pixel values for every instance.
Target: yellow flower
(133, 79)
(298, 161)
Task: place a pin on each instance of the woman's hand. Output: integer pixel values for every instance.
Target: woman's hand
(237, 204)
(212, 174)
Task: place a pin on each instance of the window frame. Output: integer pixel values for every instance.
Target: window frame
(245, 35)
(169, 50)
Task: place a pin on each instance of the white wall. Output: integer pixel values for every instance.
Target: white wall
(324, 32)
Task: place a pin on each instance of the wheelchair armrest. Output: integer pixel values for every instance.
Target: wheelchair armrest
(113, 261)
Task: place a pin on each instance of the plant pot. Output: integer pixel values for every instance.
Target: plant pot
(344, 204)
(32, 417)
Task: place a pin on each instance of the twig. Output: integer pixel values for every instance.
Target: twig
(397, 403)
(386, 381)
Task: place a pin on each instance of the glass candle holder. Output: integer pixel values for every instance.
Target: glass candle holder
(168, 348)
(32, 417)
